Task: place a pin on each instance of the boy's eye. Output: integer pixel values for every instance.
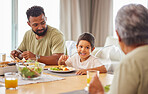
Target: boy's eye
(87, 47)
(80, 46)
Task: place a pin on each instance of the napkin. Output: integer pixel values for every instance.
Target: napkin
(44, 78)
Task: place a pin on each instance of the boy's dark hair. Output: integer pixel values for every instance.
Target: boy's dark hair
(88, 37)
(34, 11)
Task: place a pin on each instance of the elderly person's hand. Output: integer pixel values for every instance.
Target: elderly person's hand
(96, 86)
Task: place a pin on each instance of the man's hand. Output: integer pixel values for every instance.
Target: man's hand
(28, 54)
(96, 86)
(81, 72)
(16, 53)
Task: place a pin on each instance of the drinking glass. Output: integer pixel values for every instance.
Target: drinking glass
(90, 75)
(2, 57)
(11, 80)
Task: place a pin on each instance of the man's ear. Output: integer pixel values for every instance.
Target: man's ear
(28, 23)
(119, 38)
(92, 49)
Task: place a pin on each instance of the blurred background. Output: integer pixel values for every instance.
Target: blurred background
(71, 17)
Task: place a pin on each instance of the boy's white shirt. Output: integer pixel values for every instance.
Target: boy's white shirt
(91, 62)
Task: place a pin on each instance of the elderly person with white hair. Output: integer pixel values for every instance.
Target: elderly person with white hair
(131, 76)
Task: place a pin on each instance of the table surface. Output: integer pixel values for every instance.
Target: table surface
(70, 83)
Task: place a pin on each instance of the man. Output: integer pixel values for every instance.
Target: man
(43, 42)
(131, 75)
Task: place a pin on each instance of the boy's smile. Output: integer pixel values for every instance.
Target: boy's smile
(84, 50)
(82, 53)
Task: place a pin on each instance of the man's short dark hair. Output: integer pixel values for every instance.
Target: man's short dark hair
(34, 11)
(88, 37)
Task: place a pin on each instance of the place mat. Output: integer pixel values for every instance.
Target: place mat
(77, 92)
(83, 91)
(63, 74)
(44, 78)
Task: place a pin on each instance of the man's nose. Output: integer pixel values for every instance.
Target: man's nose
(40, 27)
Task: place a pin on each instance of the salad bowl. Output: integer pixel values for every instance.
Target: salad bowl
(30, 70)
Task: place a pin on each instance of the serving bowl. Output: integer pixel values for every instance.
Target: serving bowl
(30, 71)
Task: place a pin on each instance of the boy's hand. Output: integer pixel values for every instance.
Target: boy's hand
(81, 72)
(63, 58)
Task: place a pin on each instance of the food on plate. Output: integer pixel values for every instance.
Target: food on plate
(4, 62)
(17, 61)
(60, 68)
(65, 69)
(3, 65)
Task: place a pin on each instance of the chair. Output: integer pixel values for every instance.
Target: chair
(110, 54)
(71, 47)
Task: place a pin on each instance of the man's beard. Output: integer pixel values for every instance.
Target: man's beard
(42, 33)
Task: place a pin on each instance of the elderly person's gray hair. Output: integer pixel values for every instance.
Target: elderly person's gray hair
(132, 24)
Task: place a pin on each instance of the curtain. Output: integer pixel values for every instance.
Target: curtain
(101, 18)
(93, 16)
(70, 23)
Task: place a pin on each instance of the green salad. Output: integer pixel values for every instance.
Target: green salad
(107, 88)
(30, 61)
(26, 73)
(58, 68)
(55, 68)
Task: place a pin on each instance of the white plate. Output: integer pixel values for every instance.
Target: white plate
(70, 70)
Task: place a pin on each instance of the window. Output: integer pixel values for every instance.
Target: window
(5, 18)
(51, 8)
(11, 37)
(117, 4)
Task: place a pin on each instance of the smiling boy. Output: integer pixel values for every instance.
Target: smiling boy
(84, 61)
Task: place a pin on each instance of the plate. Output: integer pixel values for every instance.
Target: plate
(70, 70)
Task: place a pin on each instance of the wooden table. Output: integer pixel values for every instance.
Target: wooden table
(71, 83)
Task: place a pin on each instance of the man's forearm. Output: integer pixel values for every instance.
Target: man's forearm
(50, 60)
